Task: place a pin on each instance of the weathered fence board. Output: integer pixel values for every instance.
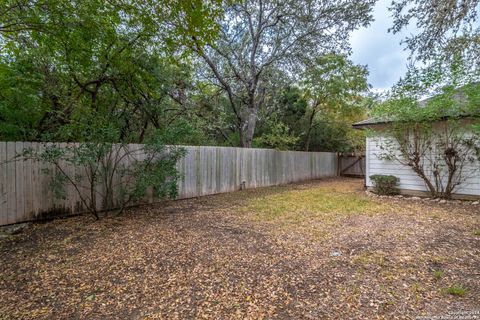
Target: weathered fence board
(11, 186)
(26, 191)
(3, 185)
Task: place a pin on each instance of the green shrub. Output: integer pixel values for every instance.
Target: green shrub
(124, 172)
(384, 184)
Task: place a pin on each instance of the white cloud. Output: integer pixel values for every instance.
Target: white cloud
(380, 50)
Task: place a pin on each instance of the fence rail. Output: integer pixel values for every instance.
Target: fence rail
(25, 192)
(351, 165)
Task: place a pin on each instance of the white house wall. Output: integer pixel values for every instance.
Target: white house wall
(408, 179)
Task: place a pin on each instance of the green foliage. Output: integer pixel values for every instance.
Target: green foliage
(290, 106)
(437, 137)
(443, 28)
(385, 184)
(456, 290)
(69, 71)
(68, 67)
(240, 65)
(157, 171)
(333, 79)
(329, 129)
(117, 174)
(279, 137)
(438, 274)
(336, 137)
(333, 88)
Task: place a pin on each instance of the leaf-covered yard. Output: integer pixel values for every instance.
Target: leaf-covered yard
(315, 250)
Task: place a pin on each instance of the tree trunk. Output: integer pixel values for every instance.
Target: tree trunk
(309, 130)
(248, 129)
(307, 142)
(420, 172)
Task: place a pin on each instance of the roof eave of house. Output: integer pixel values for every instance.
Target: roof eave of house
(361, 125)
(372, 123)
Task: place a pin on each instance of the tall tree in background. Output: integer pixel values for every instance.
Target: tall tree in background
(333, 86)
(258, 35)
(220, 71)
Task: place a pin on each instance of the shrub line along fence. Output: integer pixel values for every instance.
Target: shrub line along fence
(26, 195)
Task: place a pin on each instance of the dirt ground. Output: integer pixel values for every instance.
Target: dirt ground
(316, 250)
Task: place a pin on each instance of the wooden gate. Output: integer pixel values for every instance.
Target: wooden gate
(351, 165)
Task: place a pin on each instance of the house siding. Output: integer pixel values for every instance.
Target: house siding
(409, 181)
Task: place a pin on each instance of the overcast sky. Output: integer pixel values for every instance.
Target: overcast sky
(380, 50)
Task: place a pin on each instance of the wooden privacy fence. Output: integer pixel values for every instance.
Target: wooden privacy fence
(26, 193)
(351, 165)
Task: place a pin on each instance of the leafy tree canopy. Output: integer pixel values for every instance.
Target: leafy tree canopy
(445, 28)
(257, 37)
(268, 73)
(70, 67)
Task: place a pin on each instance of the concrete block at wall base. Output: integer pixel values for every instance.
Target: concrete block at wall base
(426, 194)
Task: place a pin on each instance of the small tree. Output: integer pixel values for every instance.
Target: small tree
(439, 153)
(112, 174)
(434, 137)
(333, 89)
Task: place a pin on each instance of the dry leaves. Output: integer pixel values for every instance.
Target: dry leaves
(239, 256)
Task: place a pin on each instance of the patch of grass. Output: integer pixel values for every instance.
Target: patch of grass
(436, 259)
(417, 288)
(387, 304)
(313, 212)
(456, 290)
(321, 204)
(370, 258)
(476, 232)
(438, 274)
